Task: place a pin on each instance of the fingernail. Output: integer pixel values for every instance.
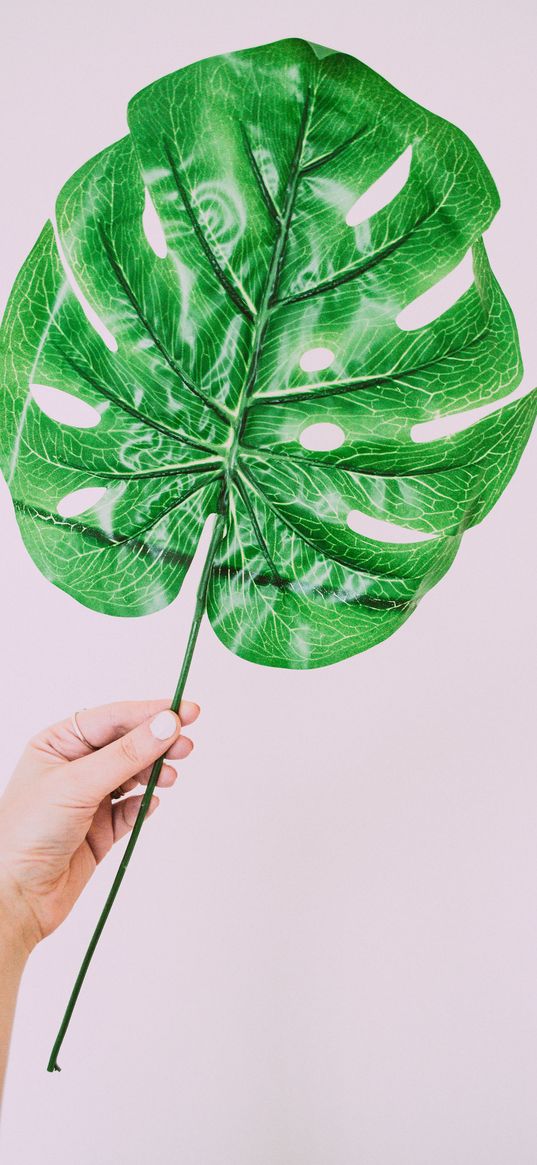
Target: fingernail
(164, 725)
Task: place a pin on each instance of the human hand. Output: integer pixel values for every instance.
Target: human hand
(57, 817)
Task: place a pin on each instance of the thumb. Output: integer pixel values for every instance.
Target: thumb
(99, 773)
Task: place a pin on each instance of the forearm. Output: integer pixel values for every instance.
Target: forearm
(13, 956)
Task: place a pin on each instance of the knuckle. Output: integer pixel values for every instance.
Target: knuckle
(130, 751)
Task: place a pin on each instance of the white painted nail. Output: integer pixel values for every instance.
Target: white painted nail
(164, 725)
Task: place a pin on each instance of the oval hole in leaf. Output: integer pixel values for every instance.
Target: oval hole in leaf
(315, 359)
(383, 191)
(80, 500)
(323, 435)
(382, 531)
(96, 322)
(438, 298)
(153, 229)
(64, 407)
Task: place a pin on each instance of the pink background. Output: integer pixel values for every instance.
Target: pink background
(325, 949)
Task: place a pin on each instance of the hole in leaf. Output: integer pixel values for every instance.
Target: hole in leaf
(91, 315)
(383, 191)
(315, 359)
(80, 500)
(324, 435)
(382, 531)
(447, 426)
(153, 230)
(64, 407)
(437, 299)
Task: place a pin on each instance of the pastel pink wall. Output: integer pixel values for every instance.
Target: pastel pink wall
(325, 949)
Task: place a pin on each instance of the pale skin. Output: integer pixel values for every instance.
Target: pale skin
(58, 820)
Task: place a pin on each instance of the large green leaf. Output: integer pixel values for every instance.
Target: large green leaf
(195, 363)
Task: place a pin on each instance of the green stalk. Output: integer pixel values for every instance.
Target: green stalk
(201, 598)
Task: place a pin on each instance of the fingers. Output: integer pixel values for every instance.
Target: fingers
(106, 723)
(178, 751)
(124, 814)
(167, 777)
(93, 776)
(102, 725)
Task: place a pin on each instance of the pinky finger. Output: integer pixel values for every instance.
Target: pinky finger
(124, 814)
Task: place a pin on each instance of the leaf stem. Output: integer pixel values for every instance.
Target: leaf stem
(199, 609)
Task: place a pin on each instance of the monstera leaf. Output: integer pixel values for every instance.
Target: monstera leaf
(222, 320)
(203, 293)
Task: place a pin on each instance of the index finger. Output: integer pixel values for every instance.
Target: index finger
(107, 722)
(102, 725)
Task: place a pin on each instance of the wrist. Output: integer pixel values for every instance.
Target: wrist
(17, 929)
